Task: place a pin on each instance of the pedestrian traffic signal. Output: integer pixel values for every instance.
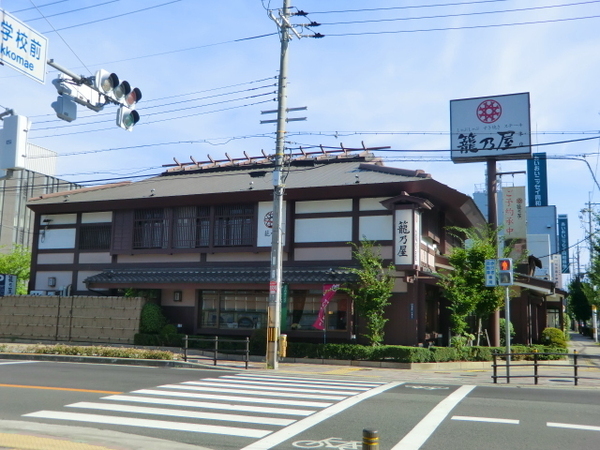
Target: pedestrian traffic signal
(505, 272)
(127, 117)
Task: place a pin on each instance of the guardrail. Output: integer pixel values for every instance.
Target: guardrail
(215, 350)
(500, 361)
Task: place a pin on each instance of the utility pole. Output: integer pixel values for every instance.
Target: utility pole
(274, 309)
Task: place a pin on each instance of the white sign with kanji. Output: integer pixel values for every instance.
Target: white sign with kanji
(22, 48)
(495, 127)
(407, 235)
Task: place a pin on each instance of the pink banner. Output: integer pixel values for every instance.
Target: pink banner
(328, 293)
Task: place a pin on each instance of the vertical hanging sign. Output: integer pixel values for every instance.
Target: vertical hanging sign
(537, 180)
(406, 234)
(563, 242)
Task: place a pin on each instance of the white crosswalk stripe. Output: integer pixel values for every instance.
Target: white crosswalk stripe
(243, 405)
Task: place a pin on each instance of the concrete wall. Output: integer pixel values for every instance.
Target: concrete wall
(76, 318)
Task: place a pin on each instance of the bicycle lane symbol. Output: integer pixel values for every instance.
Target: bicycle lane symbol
(332, 442)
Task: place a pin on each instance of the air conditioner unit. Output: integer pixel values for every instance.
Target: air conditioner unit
(37, 292)
(52, 292)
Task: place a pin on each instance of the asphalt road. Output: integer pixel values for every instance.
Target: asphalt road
(256, 410)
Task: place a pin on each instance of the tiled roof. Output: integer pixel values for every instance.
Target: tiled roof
(217, 275)
(319, 174)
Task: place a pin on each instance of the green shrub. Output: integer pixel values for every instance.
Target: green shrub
(553, 337)
(106, 352)
(258, 342)
(152, 319)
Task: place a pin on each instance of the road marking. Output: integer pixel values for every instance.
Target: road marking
(271, 388)
(573, 426)
(17, 362)
(21, 441)
(149, 423)
(283, 435)
(486, 419)
(282, 379)
(425, 428)
(182, 413)
(211, 405)
(271, 401)
(299, 384)
(50, 388)
(266, 392)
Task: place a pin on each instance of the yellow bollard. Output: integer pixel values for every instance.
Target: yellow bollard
(282, 345)
(370, 439)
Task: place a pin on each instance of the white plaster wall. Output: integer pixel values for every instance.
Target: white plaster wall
(63, 279)
(59, 219)
(82, 275)
(323, 254)
(96, 217)
(372, 204)
(376, 228)
(318, 206)
(94, 258)
(55, 258)
(188, 297)
(330, 229)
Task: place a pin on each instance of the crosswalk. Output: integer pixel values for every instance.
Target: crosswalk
(242, 405)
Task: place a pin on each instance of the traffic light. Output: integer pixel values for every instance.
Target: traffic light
(119, 92)
(127, 117)
(505, 272)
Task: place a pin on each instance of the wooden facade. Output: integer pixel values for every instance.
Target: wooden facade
(201, 239)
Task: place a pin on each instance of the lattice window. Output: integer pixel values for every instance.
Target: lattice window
(234, 225)
(150, 228)
(95, 237)
(191, 227)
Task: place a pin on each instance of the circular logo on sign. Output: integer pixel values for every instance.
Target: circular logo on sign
(489, 111)
(268, 220)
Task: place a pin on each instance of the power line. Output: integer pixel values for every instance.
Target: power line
(465, 27)
(391, 8)
(113, 17)
(445, 16)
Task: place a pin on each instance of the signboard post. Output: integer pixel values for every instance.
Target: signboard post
(22, 48)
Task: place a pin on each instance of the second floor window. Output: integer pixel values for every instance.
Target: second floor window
(194, 227)
(234, 225)
(150, 228)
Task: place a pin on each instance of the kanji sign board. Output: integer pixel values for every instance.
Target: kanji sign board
(495, 127)
(22, 48)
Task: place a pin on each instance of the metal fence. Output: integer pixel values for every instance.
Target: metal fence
(239, 347)
(538, 362)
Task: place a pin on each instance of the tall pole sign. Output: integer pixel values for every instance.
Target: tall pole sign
(490, 129)
(22, 48)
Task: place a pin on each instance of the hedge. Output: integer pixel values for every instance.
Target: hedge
(397, 353)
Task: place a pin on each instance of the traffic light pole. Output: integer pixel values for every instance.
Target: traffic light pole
(274, 309)
(507, 329)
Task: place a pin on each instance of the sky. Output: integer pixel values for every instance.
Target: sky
(382, 75)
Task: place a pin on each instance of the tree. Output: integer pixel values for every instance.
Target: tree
(463, 286)
(17, 262)
(372, 289)
(579, 305)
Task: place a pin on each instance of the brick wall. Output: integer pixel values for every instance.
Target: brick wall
(73, 318)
